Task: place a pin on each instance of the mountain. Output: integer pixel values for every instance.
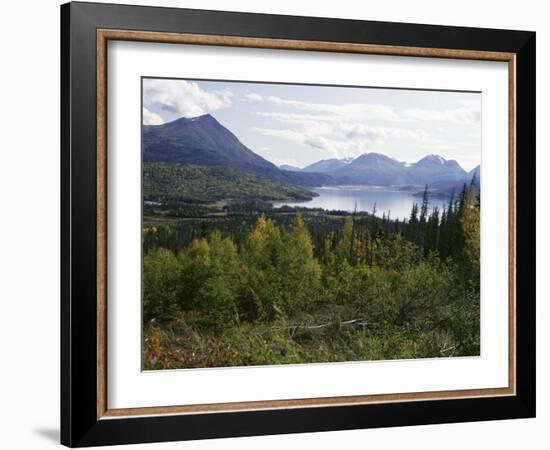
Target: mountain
(327, 165)
(200, 140)
(456, 184)
(372, 168)
(378, 169)
(435, 168)
(475, 171)
(204, 141)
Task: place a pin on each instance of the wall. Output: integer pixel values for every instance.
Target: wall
(29, 245)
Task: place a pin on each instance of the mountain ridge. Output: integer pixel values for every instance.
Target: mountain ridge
(203, 140)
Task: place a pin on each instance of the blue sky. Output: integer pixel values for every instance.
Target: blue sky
(298, 125)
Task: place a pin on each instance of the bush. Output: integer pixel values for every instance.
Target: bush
(161, 277)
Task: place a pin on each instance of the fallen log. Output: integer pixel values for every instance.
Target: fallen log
(359, 322)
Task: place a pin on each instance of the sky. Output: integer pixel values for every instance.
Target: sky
(301, 124)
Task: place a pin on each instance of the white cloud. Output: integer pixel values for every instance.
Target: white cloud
(291, 135)
(344, 130)
(254, 96)
(183, 97)
(438, 147)
(151, 118)
(356, 110)
(471, 103)
(296, 117)
(333, 145)
(466, 115)
(353, 130)
(351, 127)
(314, 124)
(319, 142)
(337, 135)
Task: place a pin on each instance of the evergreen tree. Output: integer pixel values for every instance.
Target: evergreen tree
(470, 222)
(345, 246)
(424, 207)
(412, 227)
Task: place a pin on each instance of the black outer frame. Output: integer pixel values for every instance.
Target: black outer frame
(79, 423)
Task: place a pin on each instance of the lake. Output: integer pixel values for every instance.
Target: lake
(348, 198)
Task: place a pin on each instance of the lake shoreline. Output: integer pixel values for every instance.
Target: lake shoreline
(396, 201)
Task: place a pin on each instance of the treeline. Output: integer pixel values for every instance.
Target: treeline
(369, 289)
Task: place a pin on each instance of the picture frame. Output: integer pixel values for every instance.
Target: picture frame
(86, 30)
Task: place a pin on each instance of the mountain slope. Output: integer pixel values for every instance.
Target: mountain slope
(475, 171)
(204, 141)
(200, 140)
(434, 168)
(374, 169)
(327, 165)
(188, 183)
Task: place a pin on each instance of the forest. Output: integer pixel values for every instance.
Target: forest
(184, 184)
(248, 284)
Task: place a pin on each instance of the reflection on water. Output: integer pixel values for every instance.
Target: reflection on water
(363, 198)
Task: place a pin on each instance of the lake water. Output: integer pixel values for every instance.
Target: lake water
(348, 198)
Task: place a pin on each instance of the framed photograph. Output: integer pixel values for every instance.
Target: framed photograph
(276, 224)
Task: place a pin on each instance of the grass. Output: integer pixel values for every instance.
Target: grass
(179, 345)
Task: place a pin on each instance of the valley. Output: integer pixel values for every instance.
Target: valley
(250, 263)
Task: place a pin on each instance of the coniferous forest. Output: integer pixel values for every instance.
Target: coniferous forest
(249, 284)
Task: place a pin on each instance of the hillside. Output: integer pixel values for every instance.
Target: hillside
(373, 169)
(163, 182)
(434, 168)
(204, 141)
(327, 165)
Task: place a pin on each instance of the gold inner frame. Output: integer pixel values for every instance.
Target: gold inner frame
(104, 35)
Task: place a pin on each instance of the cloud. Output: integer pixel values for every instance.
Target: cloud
(253, 96)
(438, 147)
(465, 115)
(469, 111)
(296, 117)
(332, 144)
(350, 129)
(470, 103)
(319, 143)
(356, 110)
(285, 162)
(182, 97)
(340, 136)
(151, 118)
(291, 135)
